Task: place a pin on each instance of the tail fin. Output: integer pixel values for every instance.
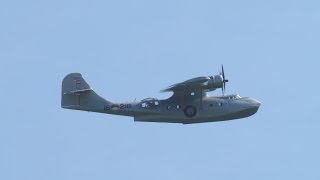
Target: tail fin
(77, 94)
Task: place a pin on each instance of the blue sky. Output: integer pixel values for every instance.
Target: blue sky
(132, 49)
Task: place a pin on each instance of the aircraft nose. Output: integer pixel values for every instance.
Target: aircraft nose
(252, 103)
(255, 102)
(249, 106)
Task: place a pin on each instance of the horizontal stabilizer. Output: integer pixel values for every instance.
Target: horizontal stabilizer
(77, 91)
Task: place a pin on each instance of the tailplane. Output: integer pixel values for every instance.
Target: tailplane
(77, 94)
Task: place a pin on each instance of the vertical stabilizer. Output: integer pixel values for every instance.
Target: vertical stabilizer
(77, 94)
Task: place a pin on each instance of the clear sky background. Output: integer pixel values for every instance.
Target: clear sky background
(132, 49)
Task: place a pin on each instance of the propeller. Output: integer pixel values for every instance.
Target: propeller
(224, 81)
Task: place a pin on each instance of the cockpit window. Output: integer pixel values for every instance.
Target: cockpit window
(149, 103)
(234, 97)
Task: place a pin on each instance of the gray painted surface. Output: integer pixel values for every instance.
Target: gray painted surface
(189, 104)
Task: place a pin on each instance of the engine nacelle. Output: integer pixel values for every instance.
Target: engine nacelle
(214, 83)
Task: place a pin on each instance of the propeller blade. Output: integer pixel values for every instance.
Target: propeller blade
(224, 81)
(223, 73)
(223, 89)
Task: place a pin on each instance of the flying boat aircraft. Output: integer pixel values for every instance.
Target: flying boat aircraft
(190, 102)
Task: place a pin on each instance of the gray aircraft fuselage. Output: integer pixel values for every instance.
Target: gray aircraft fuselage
(194, 106)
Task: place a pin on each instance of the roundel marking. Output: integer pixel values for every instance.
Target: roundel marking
(190, 111)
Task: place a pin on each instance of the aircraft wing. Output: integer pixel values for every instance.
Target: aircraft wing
(191, 84)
